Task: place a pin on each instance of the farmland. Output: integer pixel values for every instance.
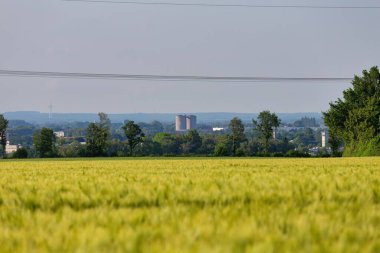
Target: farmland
(190, 205)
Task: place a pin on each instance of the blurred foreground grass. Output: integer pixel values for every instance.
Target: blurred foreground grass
(190, 205)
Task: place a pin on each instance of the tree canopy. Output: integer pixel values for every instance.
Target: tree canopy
(134, 135)
(98, 135)
(44, 142)
(96, 140)
(237, 134)
(355, 119)
(265, 124)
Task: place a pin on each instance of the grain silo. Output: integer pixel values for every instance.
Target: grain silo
(180, 123)
(191, 122)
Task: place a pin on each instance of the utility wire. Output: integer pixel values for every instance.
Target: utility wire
(225, 5)
(178, 78)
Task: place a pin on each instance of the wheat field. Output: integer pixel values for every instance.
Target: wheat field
(190, 205)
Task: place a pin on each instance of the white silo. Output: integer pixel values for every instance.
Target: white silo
(325, 138)
(180, 123)
(191, 122)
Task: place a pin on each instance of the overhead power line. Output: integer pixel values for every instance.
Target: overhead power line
(225, 5)
(178, 78)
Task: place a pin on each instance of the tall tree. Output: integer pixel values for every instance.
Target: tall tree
(96, 140)
(98, 135)
(104, 121)
(265, 124)
(355, 119)
(44, 142)
(3, 129)
(237, 133)
(134, 135)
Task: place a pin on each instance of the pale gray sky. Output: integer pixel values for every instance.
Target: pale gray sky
(53, 35)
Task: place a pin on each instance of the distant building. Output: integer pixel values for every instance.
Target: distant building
(185, 122)
(180, 123)
(191, 122)
(9, 149)
(59, 134)
(217, 129)
(325, 138)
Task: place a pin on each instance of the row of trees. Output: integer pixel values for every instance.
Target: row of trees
(99, 141)
(190, 143)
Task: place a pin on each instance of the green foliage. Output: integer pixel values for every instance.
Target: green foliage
(21, 135)
(237, 136)
(3, 138)
(335, 143)
(97, 137)
(265, 124)
(192, 142)
(296, 153)
(116, 148)
(170, 145)
(134, 135)
(73, 149)
(190, 205)
(44, 143)
(21, 153)
(149, 148)
(208, 145)
(305, 137)
(355, 120)
(223, 146)
(96, 140)
(151, 129)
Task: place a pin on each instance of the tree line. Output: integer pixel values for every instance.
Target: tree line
(101, 142)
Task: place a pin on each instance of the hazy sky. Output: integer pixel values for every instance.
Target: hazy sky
(53, 35)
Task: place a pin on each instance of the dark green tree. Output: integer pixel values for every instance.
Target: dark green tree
(96, 140)
(335, 143)
(208, 145)
(223, 146)
(192, 142)
(73, 149)
(98, 136)
(148, 148)
(134, 135)
(237, 136)
(170, 144)
(355, 120)
(21, 153)
(44, 143)
(265, 124)
(3, 137)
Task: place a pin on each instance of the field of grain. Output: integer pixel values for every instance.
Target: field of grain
(190, 205)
